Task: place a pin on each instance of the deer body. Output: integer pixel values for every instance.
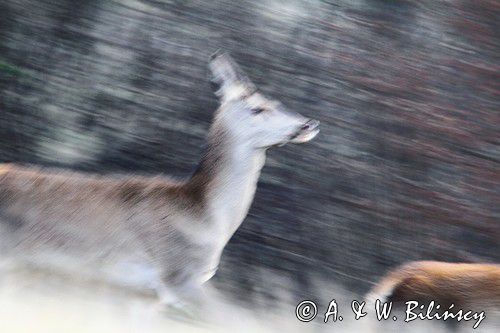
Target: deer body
(151, 231)
(467, 286)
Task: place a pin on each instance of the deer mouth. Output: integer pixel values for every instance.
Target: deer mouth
(306, 132)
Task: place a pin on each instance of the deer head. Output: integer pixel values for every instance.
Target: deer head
(250, 117)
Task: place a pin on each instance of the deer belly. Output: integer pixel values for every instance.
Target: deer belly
(132, 269)
(132, 273)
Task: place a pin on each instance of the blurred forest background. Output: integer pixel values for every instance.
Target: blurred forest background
(407, 164)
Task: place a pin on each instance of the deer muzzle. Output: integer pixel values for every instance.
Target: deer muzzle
(306, 132)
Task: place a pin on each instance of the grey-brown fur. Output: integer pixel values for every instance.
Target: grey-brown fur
(150, 231)
(139, 209)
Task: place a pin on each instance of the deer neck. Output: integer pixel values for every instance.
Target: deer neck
(227, 179)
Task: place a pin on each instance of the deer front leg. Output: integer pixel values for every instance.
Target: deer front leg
(166, 295)
(180, 295)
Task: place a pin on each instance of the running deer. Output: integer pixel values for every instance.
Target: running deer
(466, 286)
(151, 231)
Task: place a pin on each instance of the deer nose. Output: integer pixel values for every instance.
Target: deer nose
(310, 125)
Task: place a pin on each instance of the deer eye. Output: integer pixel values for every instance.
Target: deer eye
(258, 110)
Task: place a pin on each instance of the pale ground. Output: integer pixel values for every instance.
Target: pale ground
(36, 301)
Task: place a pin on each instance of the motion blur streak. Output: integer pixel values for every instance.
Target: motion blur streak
(405, 167)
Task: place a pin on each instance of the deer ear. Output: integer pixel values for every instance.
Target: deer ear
(230, 80)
